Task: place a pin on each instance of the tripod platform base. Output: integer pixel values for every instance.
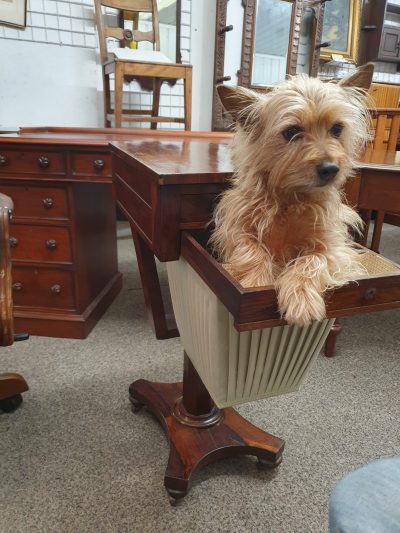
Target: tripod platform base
(222, 433)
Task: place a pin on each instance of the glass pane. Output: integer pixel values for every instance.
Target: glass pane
(271, 41)
(167, 23)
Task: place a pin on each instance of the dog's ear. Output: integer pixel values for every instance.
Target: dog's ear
(360, 79)
(236, 100)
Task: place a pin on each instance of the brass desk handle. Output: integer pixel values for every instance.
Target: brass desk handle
(13, 242)
(98, 164)
(43, 161)
(47, 203)
(56, 289)
(3, 160)
(17, 286)
(51, 244)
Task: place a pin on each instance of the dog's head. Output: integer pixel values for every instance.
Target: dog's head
(302, 134)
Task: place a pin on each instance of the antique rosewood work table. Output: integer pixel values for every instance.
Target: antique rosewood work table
(167, 189)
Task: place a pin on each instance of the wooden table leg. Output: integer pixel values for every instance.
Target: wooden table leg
(152, 290)
(198, 431)
(331, 339)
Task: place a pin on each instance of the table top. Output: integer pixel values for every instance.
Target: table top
(199, 156)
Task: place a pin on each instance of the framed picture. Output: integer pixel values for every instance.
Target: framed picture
(341, 29)
(13, 13)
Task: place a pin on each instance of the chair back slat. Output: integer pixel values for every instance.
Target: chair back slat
(394, 133)
(380, 130)
(132, 7)
(139, 6)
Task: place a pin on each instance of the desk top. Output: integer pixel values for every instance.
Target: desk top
(101, 136)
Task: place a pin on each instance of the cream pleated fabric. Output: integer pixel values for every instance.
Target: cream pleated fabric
(239, 367)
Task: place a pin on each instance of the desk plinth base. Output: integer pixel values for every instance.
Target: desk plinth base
(198, 440)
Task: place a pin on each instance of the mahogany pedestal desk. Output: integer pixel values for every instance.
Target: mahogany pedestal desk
(167, 189)
(63, 240)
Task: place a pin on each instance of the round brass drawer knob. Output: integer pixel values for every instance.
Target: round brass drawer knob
(51, 244)
(43, 161)
(13, 242)
(3, 160)
(98, 164)
(56, 289)
(17, 286)
(47, 203)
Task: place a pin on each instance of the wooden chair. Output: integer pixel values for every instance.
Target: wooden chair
(11, 385)
(126, 63)
(386, 123)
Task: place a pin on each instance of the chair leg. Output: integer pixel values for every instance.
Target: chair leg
(331, 339)
(157, 82)
(188, 99)
(107, 99)
(118, 95)
(376, 235)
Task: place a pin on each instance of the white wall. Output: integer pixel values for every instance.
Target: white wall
(46, 84)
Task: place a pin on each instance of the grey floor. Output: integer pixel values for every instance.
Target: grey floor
(75, 459)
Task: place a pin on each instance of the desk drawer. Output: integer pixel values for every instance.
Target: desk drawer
(91, 164)
(37, 202)
(43, 287)
(40, 243)
(256, 308)
(31, 162)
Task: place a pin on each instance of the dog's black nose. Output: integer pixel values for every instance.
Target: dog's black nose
(326, 171)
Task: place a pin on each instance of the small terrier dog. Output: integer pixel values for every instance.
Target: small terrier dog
(283, 221)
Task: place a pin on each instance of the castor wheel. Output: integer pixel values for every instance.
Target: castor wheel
(175, 496)
(265, 463)
(136, 405)
(8, 405)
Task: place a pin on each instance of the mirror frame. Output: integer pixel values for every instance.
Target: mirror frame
(353, 35)
(250, 7)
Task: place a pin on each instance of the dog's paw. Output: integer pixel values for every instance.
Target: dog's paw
(301, 306)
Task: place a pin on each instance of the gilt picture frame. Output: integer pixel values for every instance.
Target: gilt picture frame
(341, 29)
(13, 13)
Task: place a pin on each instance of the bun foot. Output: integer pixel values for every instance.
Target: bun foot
(135, 404)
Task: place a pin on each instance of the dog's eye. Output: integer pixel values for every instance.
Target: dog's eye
(336, 130)
(291, 132)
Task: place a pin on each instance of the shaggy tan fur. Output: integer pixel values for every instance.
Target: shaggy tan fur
(278, 223)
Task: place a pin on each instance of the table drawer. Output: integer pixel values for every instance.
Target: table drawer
(255, 308)
(37, 202)
(91, 164)
(40, 243)
(43, 287)
(23, 161)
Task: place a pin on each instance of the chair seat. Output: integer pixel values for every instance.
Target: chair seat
(141, 56)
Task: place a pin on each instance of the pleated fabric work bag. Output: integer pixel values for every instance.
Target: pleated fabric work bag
(239, 367)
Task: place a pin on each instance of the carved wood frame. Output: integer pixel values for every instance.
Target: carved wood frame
(248, 40)
(222, 121)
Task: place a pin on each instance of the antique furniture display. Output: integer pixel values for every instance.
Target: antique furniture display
(126, 62)
(11, 384)
(166, 188)
(63, 237)
(380, 32)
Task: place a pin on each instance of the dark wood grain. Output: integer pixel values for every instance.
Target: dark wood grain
(203, 433)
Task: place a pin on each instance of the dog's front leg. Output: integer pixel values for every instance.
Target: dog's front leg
(300, 288)
(251, 264)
